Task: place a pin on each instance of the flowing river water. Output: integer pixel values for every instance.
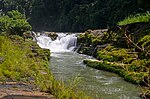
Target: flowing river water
(67, 65)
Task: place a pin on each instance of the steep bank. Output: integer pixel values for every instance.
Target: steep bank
(120, 49)
(22, 63)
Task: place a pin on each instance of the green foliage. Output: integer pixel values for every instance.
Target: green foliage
(23, 6)
(27, 62)
(145, 17)
(139, 65)
(14, 14)
(126, 63)
(111, 37)
(112, 54)
(97, 40)
(13, 67)
(70, 91)
(135, 74)
(75, 15)
(14, 23)
(145, 41)
(5, 23)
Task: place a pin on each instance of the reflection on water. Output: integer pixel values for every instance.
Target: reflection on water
(99, 84)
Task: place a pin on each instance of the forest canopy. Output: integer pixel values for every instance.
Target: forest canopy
(75, 15)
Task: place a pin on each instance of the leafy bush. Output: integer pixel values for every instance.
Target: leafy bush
(136, 18)
(14, 23)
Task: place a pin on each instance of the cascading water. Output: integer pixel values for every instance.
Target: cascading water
(66, 65)
(64, 42)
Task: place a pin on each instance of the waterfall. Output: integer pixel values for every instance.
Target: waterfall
(64, 42)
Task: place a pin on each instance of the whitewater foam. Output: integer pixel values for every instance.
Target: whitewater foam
(63, 43)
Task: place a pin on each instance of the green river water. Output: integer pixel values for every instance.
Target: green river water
(96, 83)
(67, 65)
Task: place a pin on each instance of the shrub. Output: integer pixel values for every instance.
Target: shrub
(14, 23)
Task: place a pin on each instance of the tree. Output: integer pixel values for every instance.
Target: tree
(23, 6)
(14, 23)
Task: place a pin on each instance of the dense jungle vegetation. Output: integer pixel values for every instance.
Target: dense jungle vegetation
(123, 49)
(75, 15)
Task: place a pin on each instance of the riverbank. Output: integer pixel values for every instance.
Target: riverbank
(20, 90)
(120, 49)
(23, 62)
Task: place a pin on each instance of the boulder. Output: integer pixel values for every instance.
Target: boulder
(52, 35)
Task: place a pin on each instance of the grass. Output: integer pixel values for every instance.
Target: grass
(125, 64)
(127, 61)
(25, 61)
(12, 67)
(145, 17)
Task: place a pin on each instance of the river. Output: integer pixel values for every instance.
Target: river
(67, 65)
